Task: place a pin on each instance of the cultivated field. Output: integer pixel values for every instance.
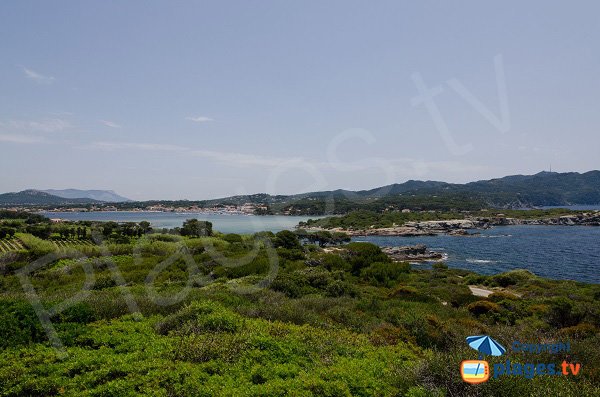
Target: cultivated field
(8, 245)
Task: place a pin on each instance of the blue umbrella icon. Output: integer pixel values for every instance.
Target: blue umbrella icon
(486, 345)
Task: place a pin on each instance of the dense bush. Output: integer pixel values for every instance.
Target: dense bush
(510, 278)
(409, 293)
(258, 265)
(499, 296)
(310, 280)
(580, 331)
(384, 274)
(19, 324)
(200, 317)
(334, 262)
(562, 312)
(483, 307)
(362, 255)
(104, 282)
(232, 238)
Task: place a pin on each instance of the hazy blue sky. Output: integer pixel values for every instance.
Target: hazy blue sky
(207, 99)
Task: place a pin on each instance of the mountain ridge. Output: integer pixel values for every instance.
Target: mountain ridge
(109, 196)
(39, 197)
(512, 191)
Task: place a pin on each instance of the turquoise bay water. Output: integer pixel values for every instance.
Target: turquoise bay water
(559, 252)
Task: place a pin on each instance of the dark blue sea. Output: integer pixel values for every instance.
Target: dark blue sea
(557, 252)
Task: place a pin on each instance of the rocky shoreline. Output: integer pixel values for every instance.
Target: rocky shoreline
(412, 253)
(466, 227)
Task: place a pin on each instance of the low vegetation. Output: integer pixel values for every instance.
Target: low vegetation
(272, 314)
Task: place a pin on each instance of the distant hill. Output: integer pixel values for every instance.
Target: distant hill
(515, 191)
(37, 197)
(100, 195)
(542, 189)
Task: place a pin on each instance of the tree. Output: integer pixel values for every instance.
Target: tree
(145, 226)
(40, 231)
(286, 239)
(302, 235)
(324, 237)
(196, 228)
(108, 228)
(339, 238)
(128, 229)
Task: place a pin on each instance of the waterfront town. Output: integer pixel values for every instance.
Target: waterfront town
(221, 209)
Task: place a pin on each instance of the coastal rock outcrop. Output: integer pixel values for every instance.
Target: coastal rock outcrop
(412, 253)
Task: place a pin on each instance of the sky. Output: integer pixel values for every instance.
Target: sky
(206, 99)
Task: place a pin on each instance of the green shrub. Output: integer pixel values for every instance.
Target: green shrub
(501, 295)
(232, 238)
(339, 288)
(19, 324)
(258, 265)
(200, 317)
(384, 274)
(81, 313)
(387, 334)
(292, 284)
(226, 347)
(430, 331)
(483, 307)
(413, 294)
(475, 279)
(563, 312)
(104, 282)
(361, 255)
(512, 277)
(456, 295)
(305, 281)
(580, 331)
(167, 238)
(334, 262)
(288, 254)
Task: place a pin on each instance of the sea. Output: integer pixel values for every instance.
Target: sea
(556, 252)
(224, 223)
